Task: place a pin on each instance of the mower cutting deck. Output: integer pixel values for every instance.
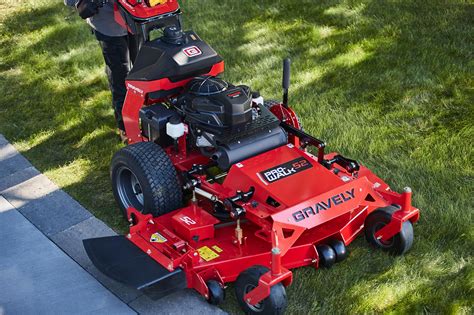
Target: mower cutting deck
(220, 186)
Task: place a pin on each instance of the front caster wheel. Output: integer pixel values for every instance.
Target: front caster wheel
(397, 245)
(275, 303)
(327, 255)
(340, 249)
(216, 292)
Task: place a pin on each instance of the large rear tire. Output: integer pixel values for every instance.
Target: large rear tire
(143, 177)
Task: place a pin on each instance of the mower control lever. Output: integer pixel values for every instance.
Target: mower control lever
(236, 211)
(286, 80)
(306, 139)
(191, 183)
(201, 169)
(349, 165)
(197, 169)
(243, 196)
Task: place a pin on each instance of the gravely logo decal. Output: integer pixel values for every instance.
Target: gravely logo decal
(192, 51)
(324, 205)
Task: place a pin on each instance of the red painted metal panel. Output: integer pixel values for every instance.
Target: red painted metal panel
(289, 191)
(143, 11)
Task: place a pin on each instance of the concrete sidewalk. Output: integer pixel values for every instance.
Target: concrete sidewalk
(38, 278)
(43, 265)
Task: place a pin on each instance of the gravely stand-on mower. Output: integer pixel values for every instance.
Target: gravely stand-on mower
(258, 203)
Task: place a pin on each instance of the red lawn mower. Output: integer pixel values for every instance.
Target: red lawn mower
(220, 186)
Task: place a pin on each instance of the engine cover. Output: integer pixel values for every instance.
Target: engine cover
(216, 104)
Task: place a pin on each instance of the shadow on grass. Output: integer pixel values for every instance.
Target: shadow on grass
(385, 82)
(55, 100)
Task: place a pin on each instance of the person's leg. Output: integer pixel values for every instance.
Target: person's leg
(117, 66)
(132, 47)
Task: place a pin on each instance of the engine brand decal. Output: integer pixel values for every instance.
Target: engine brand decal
(234, 94)
(192, 51)
(207, 254)
(286, 169)
(157, 238)
(324, 205)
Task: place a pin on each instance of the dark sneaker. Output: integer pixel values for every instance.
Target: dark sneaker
(123, 137)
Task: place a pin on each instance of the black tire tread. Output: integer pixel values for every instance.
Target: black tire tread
(274, 304)
(216, 292)
(159, 172)
(403, 241)
(327, 255)
(339, 248)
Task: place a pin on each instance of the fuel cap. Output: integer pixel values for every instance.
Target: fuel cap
(173, 35)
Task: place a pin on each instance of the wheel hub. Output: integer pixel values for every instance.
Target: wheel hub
(257, 307)
(129, 189)
(381, 242)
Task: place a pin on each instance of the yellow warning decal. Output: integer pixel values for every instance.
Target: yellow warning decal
(156, 2)
(158, 238)
(207, 254)
(217, 249)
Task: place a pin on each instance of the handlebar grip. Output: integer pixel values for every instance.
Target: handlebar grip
(286, 73)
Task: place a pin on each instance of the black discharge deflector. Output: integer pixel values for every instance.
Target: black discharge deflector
(121, 260)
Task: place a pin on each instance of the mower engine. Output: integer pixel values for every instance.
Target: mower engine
(225, 122)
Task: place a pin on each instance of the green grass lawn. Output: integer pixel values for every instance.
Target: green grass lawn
(389, 83)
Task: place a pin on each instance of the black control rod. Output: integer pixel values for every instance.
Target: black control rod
(286, 80)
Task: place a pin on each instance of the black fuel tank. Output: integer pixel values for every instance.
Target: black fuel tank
(176, 60)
